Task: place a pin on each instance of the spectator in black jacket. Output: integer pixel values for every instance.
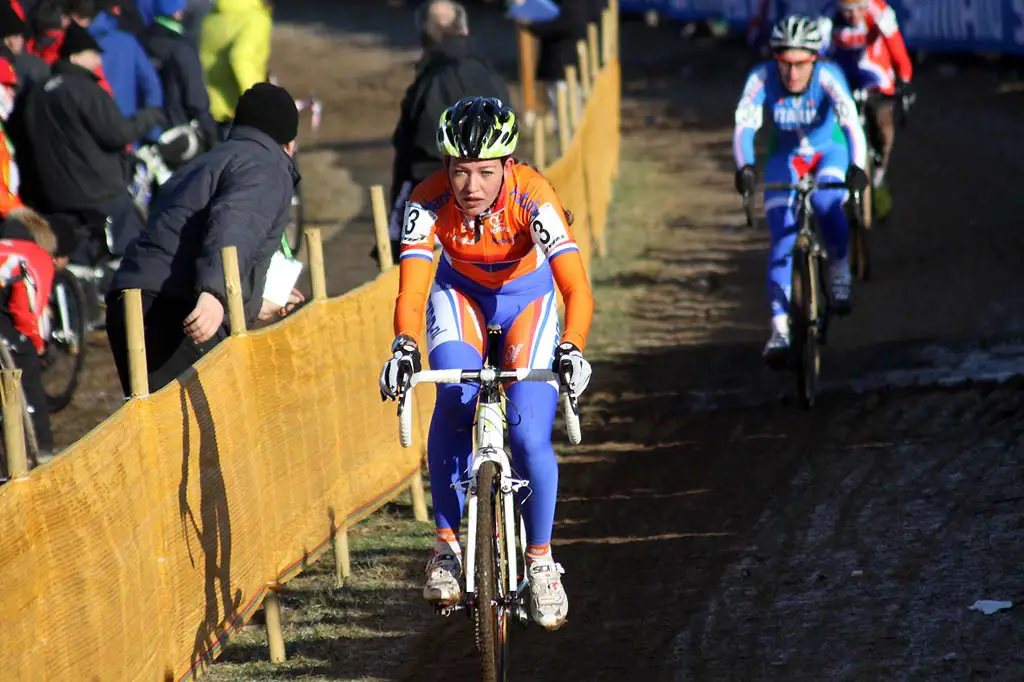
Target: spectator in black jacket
(175, 58)
(78, 139)
(447, 72)
(238, 194)
(558, 39)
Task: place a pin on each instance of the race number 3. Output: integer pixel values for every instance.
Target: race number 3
(417, 224)
(548, 228)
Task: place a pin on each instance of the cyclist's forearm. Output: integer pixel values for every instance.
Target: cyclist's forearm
(571, 280)
(413, 287)
(900, 57)
(743, 146)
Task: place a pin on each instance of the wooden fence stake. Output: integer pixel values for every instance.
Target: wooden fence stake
(527, 70)
(380, 228)
(606, 37)
(14, 427)
(275, 635)
(564, 133)
(342, 561)
(585, 76)
(594, 50)
(233, 287)
(572, 86)
(317, 275)
(613, 10)
(419, 499)
(539, 143)
(138, 370)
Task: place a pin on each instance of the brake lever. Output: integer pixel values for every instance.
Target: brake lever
(747, 210)
(563, 381)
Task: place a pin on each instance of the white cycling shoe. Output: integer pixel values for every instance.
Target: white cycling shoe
(549, 604)
(443, 574)
(776, 350)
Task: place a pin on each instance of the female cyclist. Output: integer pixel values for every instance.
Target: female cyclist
(505, 243)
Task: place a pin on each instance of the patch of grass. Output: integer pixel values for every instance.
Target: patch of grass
(354, 632)
(636, 222)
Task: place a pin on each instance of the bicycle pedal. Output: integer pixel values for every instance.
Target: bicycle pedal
(448, 610)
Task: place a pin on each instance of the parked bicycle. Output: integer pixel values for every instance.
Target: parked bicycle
(65, 330)
(809, 306)
(495, 574)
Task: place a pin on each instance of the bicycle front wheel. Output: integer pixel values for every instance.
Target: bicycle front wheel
(491, 610)
(803, 332)
(66, 344)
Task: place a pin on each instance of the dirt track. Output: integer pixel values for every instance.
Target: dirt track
(754, 541)
(759, 542)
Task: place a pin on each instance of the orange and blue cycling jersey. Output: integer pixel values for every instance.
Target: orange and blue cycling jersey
(499, 268)
(515, 249)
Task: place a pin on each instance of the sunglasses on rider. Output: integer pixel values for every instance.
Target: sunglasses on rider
(794, 62)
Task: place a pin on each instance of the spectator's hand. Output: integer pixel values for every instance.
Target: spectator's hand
(268, 309)
(294, 299)
(205, 319)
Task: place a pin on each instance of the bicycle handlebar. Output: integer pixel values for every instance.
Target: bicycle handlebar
(803, 186)
(486, 375)
(797, 187)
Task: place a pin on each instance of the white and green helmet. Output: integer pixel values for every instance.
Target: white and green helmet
(478, 128)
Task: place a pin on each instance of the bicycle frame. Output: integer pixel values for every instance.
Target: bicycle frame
(489, 435)
(808, 238)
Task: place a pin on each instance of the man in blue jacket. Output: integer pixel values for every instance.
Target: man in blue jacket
(126, 65)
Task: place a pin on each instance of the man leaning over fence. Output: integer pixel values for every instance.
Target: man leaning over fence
(447, 72)
(238, 194)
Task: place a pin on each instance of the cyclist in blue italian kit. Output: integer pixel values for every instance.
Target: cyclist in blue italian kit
(817, 131)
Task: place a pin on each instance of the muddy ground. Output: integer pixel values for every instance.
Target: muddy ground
(710, 530)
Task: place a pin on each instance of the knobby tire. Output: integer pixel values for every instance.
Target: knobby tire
(491, 620)
(803, 333)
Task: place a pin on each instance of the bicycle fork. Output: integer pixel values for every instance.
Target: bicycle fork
(490, 426)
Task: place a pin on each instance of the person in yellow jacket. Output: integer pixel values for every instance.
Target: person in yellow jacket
(234, 48)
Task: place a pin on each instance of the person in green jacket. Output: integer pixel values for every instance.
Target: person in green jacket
(234, 48)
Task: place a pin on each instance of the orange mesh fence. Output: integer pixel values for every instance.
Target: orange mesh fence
(567, 177)
(136, 552)
(598, 136)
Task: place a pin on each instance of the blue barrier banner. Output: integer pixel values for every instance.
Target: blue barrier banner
(963, 25)
(933, 25)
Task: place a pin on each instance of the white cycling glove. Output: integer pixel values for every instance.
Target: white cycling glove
(405, 362)
(573, 368)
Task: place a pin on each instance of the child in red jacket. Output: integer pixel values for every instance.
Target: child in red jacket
(26, 281)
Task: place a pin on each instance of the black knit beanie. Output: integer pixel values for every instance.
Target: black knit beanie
(10, 23)
(270, 109)
(76, 40)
